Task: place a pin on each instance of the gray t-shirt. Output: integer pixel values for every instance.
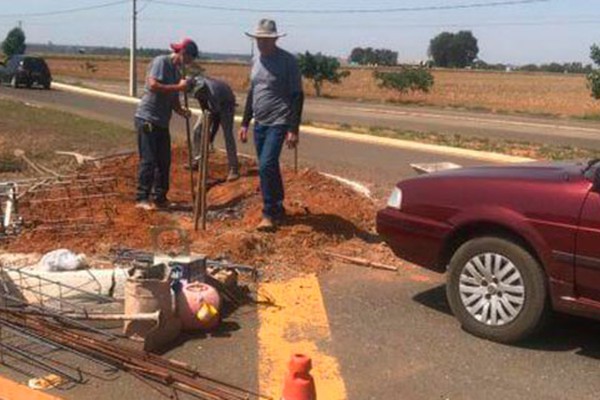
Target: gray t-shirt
(275, 80)
(218, 97)
(157, 107)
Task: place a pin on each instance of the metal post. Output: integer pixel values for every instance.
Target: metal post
(188, 132)
(200, 206)
(132, 54)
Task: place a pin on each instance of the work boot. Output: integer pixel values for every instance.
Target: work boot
(266, 224)
(145, 205)
(233, 175)
(280, 217)
(163, 204)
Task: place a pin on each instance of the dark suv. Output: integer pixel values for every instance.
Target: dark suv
(27, 71)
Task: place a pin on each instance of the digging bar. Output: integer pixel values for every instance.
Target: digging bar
(189, 140)
(200, 206)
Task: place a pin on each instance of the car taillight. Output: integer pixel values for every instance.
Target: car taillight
(395, 199)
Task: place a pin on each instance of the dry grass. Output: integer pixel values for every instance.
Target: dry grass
(515, 92)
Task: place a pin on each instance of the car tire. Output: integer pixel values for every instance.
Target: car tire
(13, 82)
(47, 85)
(512, 305)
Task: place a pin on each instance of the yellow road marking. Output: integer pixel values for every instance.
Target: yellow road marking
(10, 390)
(297, 324)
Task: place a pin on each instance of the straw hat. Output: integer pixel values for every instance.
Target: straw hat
(266, 28)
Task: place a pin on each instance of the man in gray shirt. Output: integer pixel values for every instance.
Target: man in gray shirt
(216, 97)
(161, 97)
(275, 102)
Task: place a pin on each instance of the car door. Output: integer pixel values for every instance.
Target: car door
(587, 257)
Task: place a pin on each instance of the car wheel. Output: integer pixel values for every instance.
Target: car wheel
(497, 289)
(13, 82)
(47, 85)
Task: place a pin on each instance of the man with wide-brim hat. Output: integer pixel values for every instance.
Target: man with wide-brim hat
(275, 102)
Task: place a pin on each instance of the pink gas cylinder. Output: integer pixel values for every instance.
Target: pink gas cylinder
(198, 306)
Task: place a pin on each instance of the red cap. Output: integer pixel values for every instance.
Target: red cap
(187, 45)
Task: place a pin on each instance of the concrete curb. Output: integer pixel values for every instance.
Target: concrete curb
(356, 137)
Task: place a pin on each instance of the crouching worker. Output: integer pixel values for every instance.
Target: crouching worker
(161, 96)
(216, 97)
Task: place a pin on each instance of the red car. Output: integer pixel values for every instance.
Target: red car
(516, 241)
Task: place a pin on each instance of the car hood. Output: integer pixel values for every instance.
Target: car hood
(534, 171)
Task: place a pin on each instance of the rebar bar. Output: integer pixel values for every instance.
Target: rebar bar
(172, 374)
(35, 359)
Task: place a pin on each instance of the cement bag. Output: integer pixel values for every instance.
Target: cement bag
(62, 260)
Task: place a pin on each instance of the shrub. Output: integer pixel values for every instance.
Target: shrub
(413, 79)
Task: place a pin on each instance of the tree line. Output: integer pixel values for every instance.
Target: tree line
(449, 50)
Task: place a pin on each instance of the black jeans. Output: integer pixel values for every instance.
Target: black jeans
(154, 147)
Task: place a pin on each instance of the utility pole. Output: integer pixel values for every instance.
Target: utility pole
(20, 24)
(132, 53)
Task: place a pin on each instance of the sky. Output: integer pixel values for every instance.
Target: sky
(539, 31)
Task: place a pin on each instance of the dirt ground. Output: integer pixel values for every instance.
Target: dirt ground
(323, 214)
(514, 92)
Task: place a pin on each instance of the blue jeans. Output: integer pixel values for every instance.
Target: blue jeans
(154, 147)
(268, 141)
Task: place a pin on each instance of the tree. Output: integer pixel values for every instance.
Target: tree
(370, 56)
(454, 50)
(594, 76)
(413, 79)
(14, 42)
(320, 68)
(357, 56)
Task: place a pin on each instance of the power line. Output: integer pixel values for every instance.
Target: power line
(395, 25)
(354, 11)
(65, 11)
(142, 8)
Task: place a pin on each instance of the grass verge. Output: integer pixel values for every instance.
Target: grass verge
(41, 131)
(510, 147)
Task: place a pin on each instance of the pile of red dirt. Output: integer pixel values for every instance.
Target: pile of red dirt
(322, 214)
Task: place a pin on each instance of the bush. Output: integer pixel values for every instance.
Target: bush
(594, 76)
(320, 68)
(594, 83)
(413, 79)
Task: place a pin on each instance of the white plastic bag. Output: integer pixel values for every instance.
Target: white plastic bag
(62, 260)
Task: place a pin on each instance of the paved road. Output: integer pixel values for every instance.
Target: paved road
(444, 121)
(377, 166)
(391, 333)
(423, 119)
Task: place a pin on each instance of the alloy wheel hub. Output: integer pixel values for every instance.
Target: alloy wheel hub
(491, 289)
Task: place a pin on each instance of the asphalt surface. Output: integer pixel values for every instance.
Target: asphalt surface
(378, 167)
(450, 121)
(392, 334)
